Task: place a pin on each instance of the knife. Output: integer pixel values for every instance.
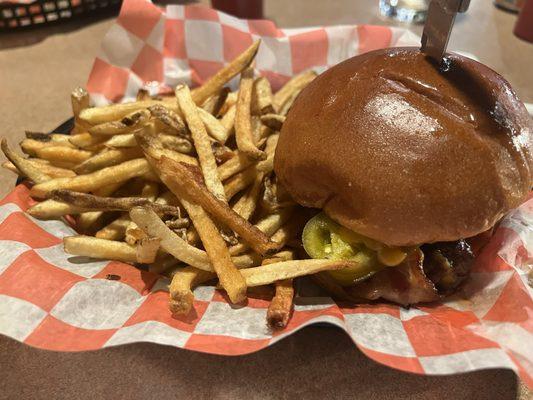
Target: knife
(438, 27)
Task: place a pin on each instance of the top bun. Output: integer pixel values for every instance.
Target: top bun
(398, 151)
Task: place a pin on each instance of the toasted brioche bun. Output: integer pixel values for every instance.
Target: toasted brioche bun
(393, 149)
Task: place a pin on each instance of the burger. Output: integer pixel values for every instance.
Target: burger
(408, 165)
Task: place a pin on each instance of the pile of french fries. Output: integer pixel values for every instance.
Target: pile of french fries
(182, 184)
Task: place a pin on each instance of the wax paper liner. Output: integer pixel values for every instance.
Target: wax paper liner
(51, 300)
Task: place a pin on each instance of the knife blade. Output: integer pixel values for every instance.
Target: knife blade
(438, 26)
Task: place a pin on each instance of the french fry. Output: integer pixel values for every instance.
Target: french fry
(222, 152)
(147, 249)
(262, 97)
(184, 280)
(89, 246)
(243, 123)
(113, 112)
(169, 119)
(231, 100)
(224, 75)
(108, 158)
(152, 225)
(79, 99)
(30, 146)
(177, 223)
(201, 142)
(54, 139)
(63, 154)
(213, 126)
(228, 274)
(240, 182)
(53, 209)
(273, 121)
(265, 275)
(269, 225)
(247, 204)
(92, 221)
(228, 122)
(185, 183)
(292, 87)
(121, 141)
(86, 183)
(26, 168)
(176, 143)
(214, 103)
(280, 308)
(234, 165)
(97, 203)
(87, 141)
(126, 124)
(115, 230)
(153, 147)
(142, 94)
(163, 263)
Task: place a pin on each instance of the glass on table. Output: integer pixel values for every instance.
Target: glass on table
(410, 11)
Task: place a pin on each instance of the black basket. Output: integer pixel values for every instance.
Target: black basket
(42, 12)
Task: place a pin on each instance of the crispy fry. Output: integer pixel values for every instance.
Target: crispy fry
(243, 123)
(91, 221)
(213, 126)
(26, 168)
(113, 112)
(152, 225)
(222, 152)
(54, 139)
(170, 120)
(280, 308)
(142, 94)
(48, 169)
(273, 121)
(147, 249)
(91, 202)
(231, 100)
(99, 248)
(176, 143)
(52, 209)
(153, 147)
(115, 230)
(180, 290)
(163, 263)
(262, 97)
(183, 182)
(228, 122)
(217, 81)
(121, 141)
(228, 274)
(87, 141)
(107, 158)
(292, 87)
(268, 225)
(271, 273)
(201, 142)
(30, 146)
(80, 100)
(234, 165)
(240, 163)
(214, 103)
(247, 204)
(240, 182)
(127, 124)
(63, 154)
(86, 183)
(177, 223)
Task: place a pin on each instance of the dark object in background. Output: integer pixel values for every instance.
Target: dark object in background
(524, 25)
(509, 5)
(249, 9)
(43, 12)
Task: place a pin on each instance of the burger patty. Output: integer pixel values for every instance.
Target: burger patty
(447, 264)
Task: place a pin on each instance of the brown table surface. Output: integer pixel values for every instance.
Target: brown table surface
(39, 68)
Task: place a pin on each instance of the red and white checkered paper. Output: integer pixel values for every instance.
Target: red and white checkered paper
(52, 300)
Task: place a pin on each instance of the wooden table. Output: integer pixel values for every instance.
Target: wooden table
(39, 69)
